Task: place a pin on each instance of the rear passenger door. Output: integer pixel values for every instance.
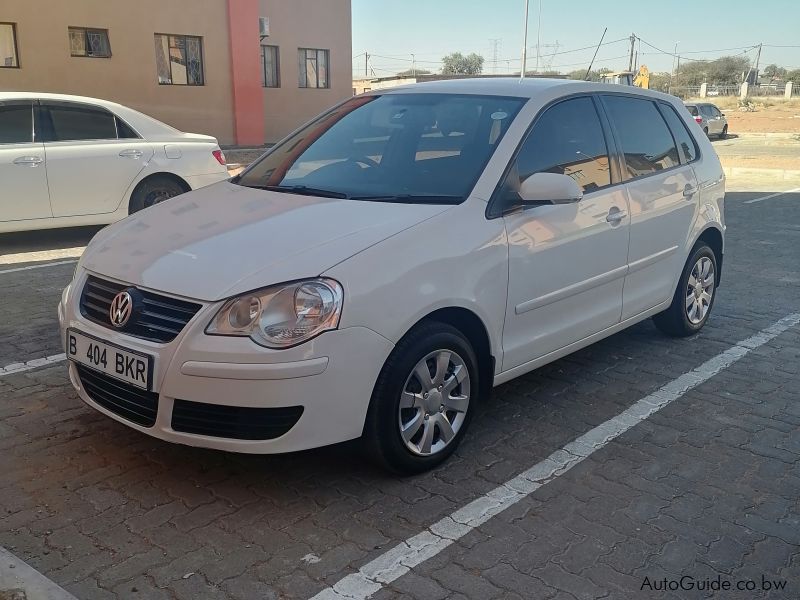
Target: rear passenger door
(662, 193)
(90, 164)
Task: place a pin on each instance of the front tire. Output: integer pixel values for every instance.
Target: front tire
(424, 399)
(724, 133)
(694, 296)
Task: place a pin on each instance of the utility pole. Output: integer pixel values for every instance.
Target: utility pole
(538, 35)
(413, 65)
(674, 55)
(524, 43)
(366, 64)
(495, 42)
(633, 44)
(758, 58)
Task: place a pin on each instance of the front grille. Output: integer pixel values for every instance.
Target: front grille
(158, 319)
(234, 422)
(128, 401)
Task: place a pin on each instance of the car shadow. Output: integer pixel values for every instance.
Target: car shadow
(46, 239)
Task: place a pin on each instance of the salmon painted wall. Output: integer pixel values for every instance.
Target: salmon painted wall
(248, 102)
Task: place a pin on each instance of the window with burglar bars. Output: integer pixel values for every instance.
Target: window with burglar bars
(270, 67)
(179, 59)
(313, 68)
(93, 43)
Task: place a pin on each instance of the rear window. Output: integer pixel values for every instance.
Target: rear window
(71, 122)
(684, 140)
(692, 110)
(646, 141)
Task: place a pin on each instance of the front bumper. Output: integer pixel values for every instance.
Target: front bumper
(331, 377)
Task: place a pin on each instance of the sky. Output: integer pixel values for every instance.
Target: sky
(391, 30)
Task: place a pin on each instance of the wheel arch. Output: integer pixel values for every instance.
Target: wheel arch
(712, 236)
(158, 174)
(474, 329)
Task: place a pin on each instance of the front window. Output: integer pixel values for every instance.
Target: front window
(394, 148)
(179, 59)
(8, 46)
(313, 68)
(89, 42)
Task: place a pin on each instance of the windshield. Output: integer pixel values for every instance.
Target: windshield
(426, 148)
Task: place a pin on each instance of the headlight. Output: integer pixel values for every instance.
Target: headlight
(283, 315)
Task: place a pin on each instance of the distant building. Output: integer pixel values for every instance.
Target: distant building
(245, 71)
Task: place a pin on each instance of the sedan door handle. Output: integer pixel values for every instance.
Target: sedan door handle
(131, 154)
(28, 161)
(615, 215)
(689, 191)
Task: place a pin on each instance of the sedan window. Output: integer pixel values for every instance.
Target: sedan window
(73, 122)
(16, 122)
(394, 148)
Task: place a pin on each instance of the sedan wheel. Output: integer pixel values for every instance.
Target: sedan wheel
(434, 402)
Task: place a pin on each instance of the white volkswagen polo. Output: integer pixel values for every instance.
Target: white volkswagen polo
(69, 160)
(383, 267)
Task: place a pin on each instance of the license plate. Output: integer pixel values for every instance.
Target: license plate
(131, 367)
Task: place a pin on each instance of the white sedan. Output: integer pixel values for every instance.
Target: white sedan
(378, 271)
(69, 161)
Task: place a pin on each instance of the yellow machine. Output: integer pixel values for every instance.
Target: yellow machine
(641, 79)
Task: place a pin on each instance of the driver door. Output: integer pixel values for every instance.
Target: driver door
(566, 263)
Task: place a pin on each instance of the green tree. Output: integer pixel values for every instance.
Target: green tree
(458, 64)
(773, 71)
(793, 76)
(726, 70)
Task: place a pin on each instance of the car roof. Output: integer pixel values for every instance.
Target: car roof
(61, 97)
(147, 126)
(529, 87)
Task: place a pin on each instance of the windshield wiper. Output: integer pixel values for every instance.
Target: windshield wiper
(302, 189)
(413, 198)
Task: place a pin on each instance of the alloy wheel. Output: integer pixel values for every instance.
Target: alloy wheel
(700, 290)
(434, 402)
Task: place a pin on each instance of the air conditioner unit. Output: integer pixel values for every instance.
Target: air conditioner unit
(263, 26)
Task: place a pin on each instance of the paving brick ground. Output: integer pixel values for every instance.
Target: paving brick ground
(708, 487)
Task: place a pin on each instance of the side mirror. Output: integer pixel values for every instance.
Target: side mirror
(721, 114)
(549, 188)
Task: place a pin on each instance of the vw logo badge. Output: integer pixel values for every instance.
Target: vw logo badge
(120, 310)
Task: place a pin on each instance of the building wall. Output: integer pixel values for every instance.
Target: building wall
(129, 76)
(306, 24)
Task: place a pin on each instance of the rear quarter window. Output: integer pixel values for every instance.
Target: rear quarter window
(687, 147)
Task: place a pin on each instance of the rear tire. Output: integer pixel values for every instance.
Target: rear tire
(404, 432)
(152, 191)
(694, 296)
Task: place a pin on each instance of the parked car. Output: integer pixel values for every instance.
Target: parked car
(380, 269)
(711, 120)
(71, 160)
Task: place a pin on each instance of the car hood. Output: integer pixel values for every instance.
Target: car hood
(226, 239)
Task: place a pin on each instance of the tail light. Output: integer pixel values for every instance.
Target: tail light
(220, 156)
(698, 119)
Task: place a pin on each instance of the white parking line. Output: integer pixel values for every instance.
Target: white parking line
(21, 367)
(405, 556)
(41, 255)
(770, 196)
(29, 267)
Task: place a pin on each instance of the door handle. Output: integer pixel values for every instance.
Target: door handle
(615, 215)
(28, 161)
(689, 191)
(131, 154)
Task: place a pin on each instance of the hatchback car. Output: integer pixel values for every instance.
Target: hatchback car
(69, 160)
(383, 267)
(711, 120)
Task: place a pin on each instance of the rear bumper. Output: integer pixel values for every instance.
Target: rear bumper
(199, 181)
